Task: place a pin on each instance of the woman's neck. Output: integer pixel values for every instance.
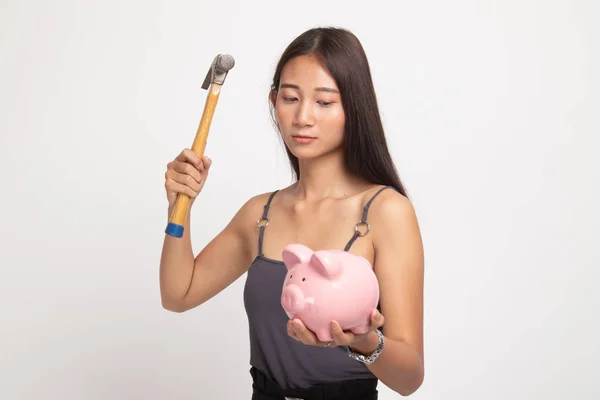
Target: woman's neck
(325, 177)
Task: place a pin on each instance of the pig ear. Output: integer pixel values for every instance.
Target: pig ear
(327, 264)
(295, 254)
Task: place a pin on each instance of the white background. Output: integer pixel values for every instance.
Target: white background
(491, 109)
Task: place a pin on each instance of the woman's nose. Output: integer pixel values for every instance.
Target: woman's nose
(304, 115)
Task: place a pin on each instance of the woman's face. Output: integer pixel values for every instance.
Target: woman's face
(308, 108)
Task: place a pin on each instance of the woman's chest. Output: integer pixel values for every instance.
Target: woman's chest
(317, 229)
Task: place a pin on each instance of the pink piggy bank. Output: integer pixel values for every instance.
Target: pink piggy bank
(325, 285)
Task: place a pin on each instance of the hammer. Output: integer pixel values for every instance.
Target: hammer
(215, 78)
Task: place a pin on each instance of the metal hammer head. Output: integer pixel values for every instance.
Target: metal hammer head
(218, 70)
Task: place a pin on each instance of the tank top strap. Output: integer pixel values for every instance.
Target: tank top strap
(262, 223)
(363, 221)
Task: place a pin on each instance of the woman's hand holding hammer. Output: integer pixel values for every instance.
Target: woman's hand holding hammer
(186, 174)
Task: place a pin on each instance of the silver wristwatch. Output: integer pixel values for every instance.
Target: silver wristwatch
(371, 357)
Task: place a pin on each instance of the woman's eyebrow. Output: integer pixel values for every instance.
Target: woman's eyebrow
(318, 89)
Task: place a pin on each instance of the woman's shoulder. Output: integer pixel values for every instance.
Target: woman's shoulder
(385, 196)
(391, 212)
(388, 207)
(254, 206)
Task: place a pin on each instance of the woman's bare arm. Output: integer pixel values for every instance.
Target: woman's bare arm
(399, 265)
(187, 282)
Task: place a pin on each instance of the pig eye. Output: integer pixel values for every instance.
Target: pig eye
(303, 279)
(291, 276)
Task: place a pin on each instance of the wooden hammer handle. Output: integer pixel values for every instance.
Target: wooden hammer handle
(176, 223)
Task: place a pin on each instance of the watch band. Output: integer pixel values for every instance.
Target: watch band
(371, 357)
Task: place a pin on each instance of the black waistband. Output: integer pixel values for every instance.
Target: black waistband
(266, 389)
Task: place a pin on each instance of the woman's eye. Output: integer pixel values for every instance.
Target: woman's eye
(325, 103)
(289, 99)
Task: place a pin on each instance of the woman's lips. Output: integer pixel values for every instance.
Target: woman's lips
(303, 139)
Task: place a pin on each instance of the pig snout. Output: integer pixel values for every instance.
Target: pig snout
(292, 299)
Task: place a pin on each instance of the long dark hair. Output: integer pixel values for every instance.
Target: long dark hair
(366, 153)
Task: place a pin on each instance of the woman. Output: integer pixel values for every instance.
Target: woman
(347, 195)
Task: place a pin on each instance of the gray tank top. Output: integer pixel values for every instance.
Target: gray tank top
(286, 361)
